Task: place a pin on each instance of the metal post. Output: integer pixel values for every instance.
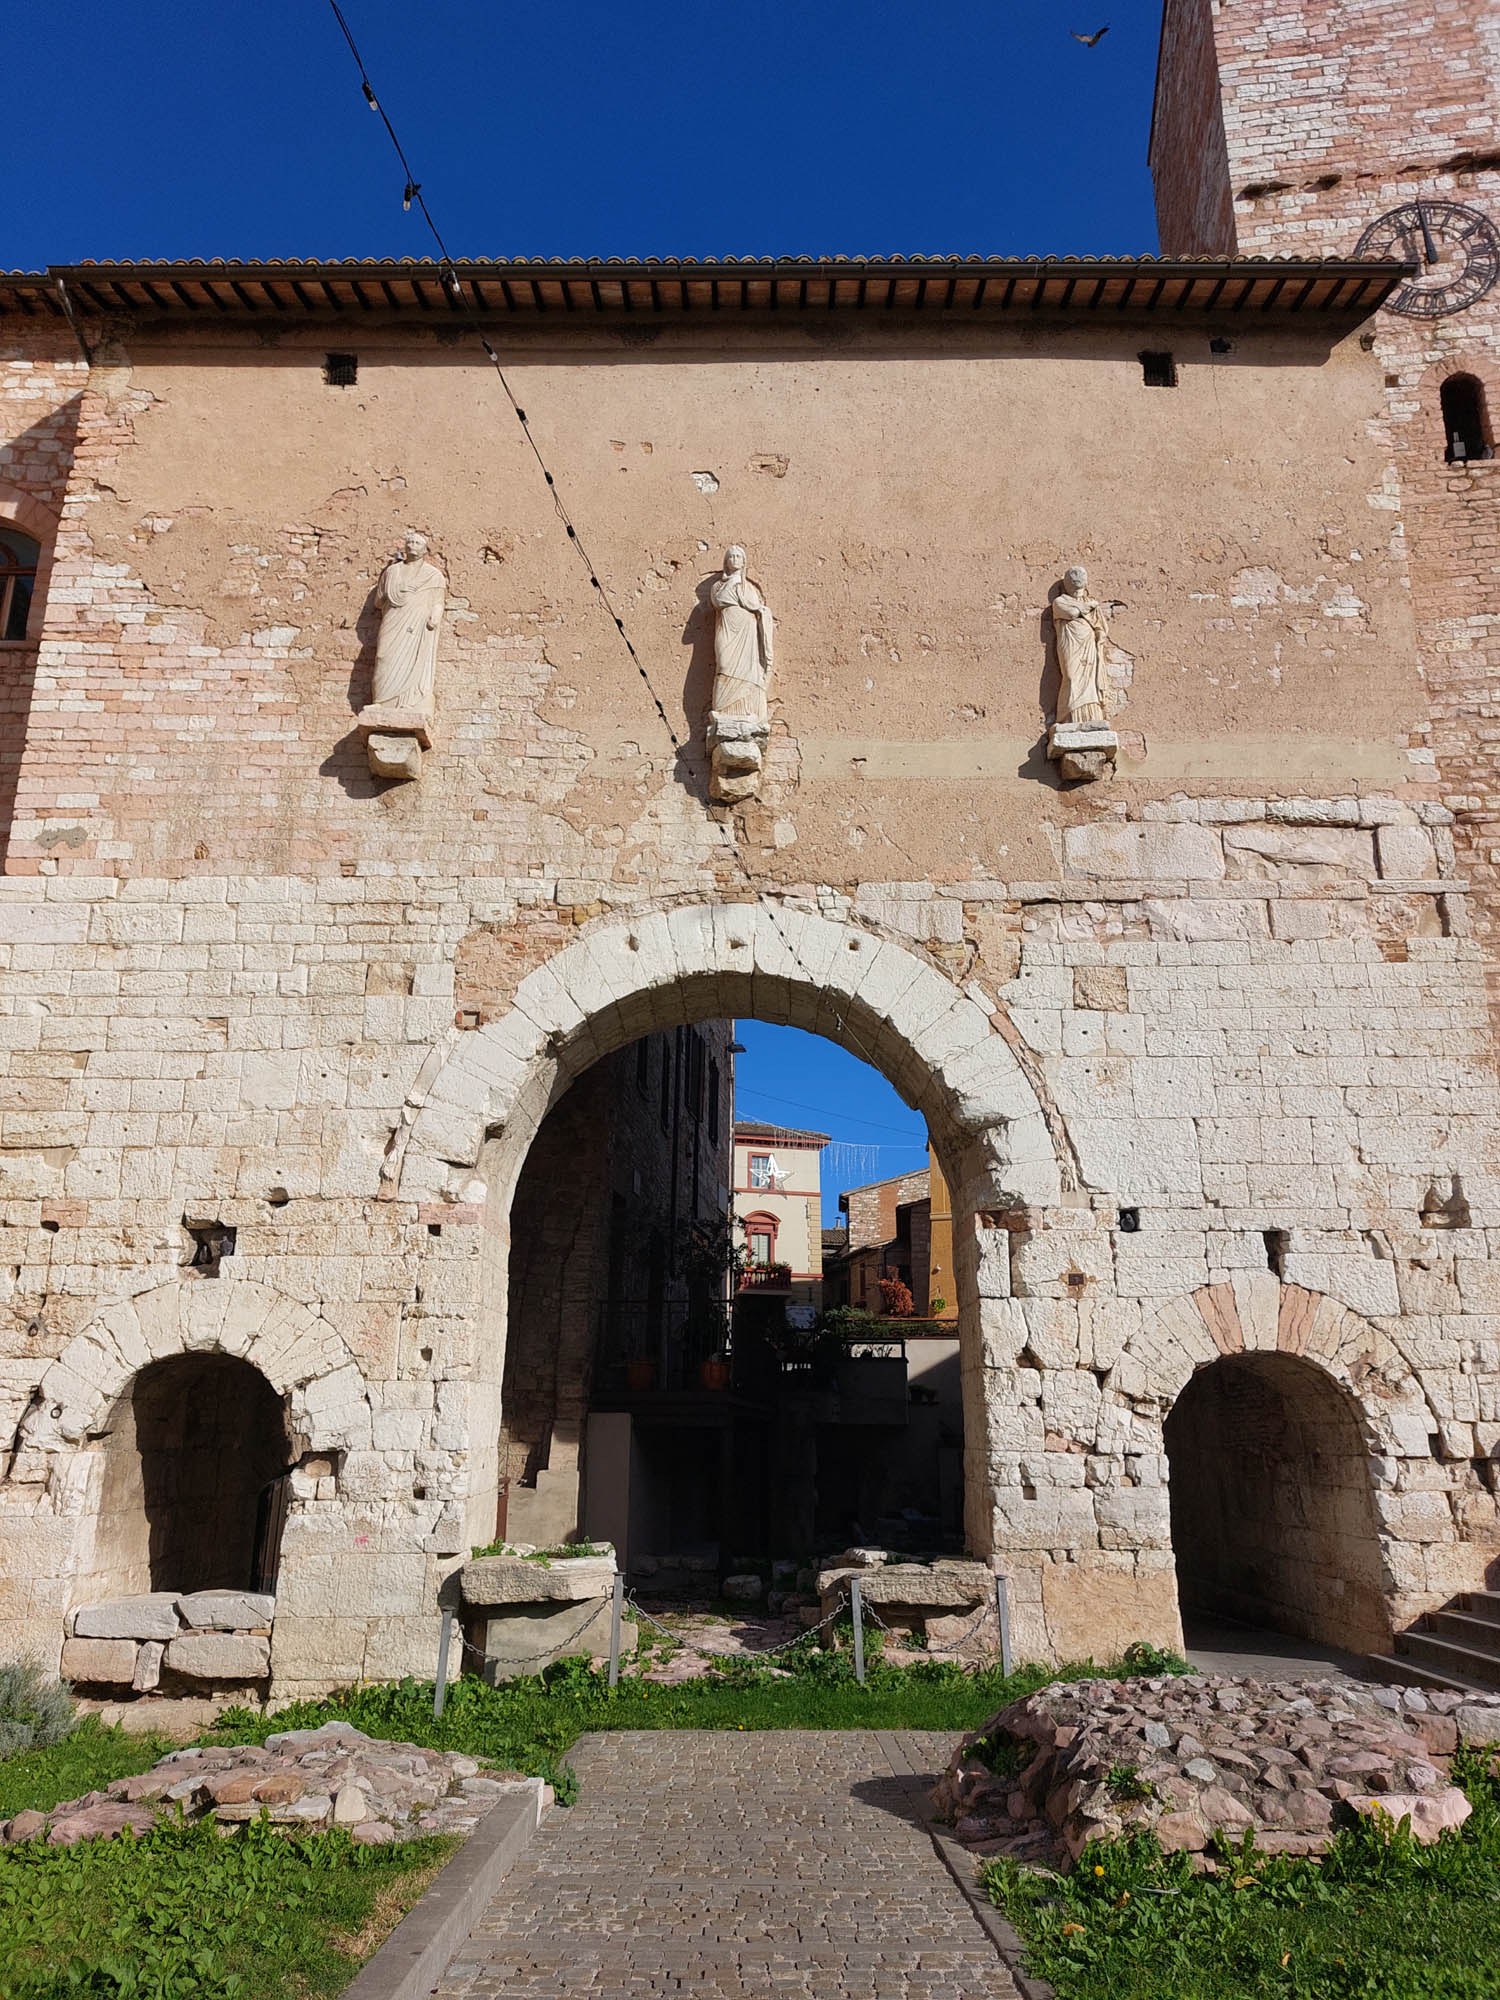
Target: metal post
(1002, 1612)
(856, 1606)
(616, 1607)
(440, 1686)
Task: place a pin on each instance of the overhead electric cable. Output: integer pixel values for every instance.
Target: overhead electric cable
(448, 277)
(822, 1111)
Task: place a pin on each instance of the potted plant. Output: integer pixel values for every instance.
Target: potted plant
(640, 1372)
(714, 1372)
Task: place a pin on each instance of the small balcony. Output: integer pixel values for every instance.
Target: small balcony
(766, 1278)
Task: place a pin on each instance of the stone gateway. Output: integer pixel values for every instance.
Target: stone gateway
(1202, 1023)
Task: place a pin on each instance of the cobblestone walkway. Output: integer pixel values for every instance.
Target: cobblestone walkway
(782, 1862)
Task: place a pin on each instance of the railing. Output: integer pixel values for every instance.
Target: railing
(766, 1278)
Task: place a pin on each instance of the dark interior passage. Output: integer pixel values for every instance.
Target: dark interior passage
(194, 1480)
(1272, 1518)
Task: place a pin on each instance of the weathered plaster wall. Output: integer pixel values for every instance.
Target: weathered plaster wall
(1234, 990)
(908, 502)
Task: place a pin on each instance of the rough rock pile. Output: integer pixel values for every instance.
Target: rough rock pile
(304, 1780)
(1189, 1757)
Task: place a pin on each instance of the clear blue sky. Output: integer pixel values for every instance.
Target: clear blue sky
(576, 127)
(789, 1078)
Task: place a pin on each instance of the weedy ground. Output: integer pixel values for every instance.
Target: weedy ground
(528, 1725)
(184, 1913)
(1379, 1918)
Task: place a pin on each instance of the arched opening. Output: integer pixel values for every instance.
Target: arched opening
(685, 1374)
(194, 1485)
(1273, 1521)
(1466, 422)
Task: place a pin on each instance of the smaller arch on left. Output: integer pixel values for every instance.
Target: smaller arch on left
(197, 1458)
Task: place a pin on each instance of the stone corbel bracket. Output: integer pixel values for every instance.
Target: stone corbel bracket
(737, 744)
(1082, 751)
(394, 740)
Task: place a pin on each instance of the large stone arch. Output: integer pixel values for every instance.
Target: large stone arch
(303, 1358)
(629, 975)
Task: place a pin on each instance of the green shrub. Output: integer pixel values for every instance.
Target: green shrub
(36, 1711)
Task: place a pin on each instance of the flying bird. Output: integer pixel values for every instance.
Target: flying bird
(1089, 40)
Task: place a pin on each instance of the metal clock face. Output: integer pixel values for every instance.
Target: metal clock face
(1456, 249)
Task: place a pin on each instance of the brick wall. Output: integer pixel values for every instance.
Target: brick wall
(1334, 113)
(41, 381)
(1188, 157)
(872, 1209)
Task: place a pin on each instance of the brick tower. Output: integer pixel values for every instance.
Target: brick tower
(1285, 129)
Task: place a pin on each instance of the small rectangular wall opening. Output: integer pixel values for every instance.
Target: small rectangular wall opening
(341, 371)
(1158, 369)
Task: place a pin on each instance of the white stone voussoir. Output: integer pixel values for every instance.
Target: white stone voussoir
(252, 1321)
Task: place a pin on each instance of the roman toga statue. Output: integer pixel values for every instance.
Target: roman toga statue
(1082, 629)
(410, 594)
(742, 641)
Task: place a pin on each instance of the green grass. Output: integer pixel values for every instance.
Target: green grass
(87, 1758)
(528, 1725)
(186, 1914)
(1379, 1919)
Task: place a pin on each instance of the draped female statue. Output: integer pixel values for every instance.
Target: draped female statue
(739, 722)
(1082, 629)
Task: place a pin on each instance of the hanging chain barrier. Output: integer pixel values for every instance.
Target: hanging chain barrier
(733, 1652)
(957, 1645)
(623, 1599)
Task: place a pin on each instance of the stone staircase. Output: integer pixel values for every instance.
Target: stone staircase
(1457, 1647)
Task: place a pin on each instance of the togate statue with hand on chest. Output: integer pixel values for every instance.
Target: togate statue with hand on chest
(411, 595)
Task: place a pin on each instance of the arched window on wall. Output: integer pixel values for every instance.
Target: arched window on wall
(19, 556)
(1466, 421)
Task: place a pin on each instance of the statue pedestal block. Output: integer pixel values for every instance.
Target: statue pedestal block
(1082, 751)
(394, 740)
(737, 745)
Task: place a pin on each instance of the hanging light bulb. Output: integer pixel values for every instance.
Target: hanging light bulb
(413, 189)
(369, 90)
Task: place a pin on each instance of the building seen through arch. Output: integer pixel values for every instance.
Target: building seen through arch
(673, 1384)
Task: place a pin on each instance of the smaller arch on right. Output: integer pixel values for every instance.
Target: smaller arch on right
(1272, 1507)
(1467, 432)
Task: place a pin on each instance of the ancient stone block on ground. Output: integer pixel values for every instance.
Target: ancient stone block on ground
(96, 1660)
(220, 1656)
(516, 1580)
(150, 1616)
(227, 1610)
